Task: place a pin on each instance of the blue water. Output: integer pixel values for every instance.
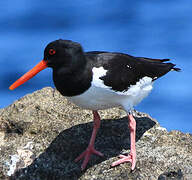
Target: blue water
(157, 29)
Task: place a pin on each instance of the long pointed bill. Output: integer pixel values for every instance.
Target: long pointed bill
(39, 67)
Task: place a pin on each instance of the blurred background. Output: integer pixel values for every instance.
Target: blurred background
(156, 29)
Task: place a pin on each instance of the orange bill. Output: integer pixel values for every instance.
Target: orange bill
(39, 67)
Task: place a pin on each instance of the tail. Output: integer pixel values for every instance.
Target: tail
(160, 61)
(153, 60)
(155, 68)
(175, 69)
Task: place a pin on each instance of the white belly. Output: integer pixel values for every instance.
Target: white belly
(98, 98)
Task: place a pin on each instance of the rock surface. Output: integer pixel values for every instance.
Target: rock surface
(41, 134)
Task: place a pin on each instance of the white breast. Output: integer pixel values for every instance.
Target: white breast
(99, 96)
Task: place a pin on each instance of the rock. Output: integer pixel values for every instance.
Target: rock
(41, 134)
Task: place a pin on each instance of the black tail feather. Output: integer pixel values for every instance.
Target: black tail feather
(160, 61)
(176, 69)
(153, 60)
(164, 60)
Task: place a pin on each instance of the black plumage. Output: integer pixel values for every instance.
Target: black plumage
(99, 80)
(72, 68)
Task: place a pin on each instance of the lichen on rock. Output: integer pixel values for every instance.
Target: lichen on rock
(45, 133)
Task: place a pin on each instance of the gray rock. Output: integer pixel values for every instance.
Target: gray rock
(41, 134)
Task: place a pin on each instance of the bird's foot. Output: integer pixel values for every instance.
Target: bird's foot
(86, 155)
(130, 158)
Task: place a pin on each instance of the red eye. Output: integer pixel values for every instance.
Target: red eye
(52, 51)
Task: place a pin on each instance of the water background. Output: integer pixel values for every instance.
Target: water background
(156, 29)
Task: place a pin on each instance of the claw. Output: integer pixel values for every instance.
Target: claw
(130, 158)
(90, 149)
(86, 155)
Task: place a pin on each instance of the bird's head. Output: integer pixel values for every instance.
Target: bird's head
(60, 53)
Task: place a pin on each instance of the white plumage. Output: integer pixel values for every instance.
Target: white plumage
(71, 74)
(99, 96)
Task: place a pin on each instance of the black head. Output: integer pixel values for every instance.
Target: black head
(64, 56)
(63, 53)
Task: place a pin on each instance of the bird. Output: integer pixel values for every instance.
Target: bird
(98, 80)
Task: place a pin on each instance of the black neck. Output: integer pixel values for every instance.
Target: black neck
(72, 81)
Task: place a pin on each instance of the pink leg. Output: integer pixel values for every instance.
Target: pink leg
(90, 149)
(132, 156)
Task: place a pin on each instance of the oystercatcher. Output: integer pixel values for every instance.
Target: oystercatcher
(99, 80)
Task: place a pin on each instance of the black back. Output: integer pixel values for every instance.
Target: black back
(72, 68)
(125, 70)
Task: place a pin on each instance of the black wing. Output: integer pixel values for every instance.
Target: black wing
(153, 60)
(124, 70)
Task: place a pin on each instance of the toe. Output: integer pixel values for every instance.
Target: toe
(130, 158)
(86, 160)
(98, 153)
(80, 156)
(86, 155)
